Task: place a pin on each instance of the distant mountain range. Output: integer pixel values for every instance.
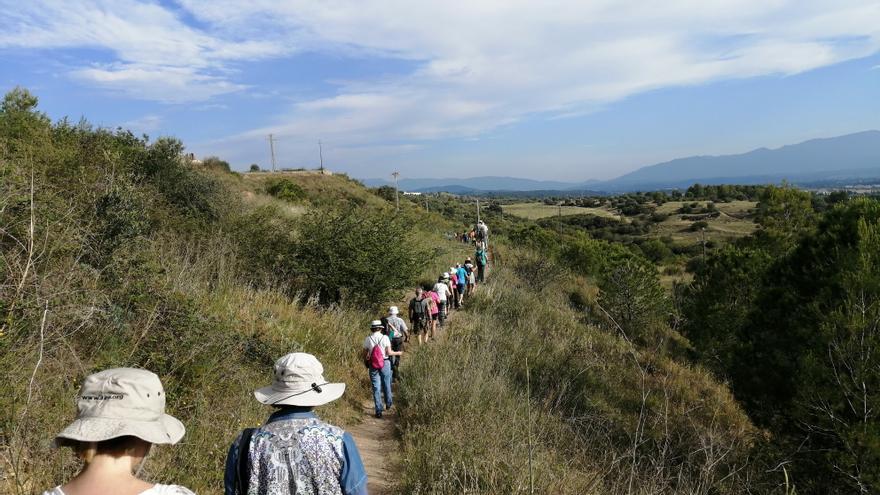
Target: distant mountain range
(852, 156)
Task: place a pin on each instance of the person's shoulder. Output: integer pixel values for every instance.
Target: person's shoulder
(54, 491)
(169, 490)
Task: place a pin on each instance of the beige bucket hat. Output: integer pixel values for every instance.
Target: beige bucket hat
(299, 381)
(122, 402)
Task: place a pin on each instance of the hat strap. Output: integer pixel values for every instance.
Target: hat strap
(314, 388)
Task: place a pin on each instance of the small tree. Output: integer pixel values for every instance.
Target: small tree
(215, 163)
(358, 256)
(386, 192)
(285, 189)
(254, 167)
(632, 295)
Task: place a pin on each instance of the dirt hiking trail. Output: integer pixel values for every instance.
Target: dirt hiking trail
(378, 440)
(379, 447)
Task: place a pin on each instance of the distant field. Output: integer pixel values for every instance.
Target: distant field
(535, 211)
(734, 208)
(731, 224)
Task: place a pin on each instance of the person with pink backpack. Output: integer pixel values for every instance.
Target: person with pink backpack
(377, 357)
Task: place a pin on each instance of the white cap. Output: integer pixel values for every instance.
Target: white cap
(299, 381)
(393, 310)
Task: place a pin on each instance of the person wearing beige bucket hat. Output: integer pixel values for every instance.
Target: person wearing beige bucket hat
(120, 415)
(294, 451)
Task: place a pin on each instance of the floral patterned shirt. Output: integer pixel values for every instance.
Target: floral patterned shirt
(296, 453)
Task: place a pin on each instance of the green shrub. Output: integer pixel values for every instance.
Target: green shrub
(361, 257)
(216, 164)
(698, 226)
(285, 189)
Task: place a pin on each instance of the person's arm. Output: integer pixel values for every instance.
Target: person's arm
(367, 350)
(388, 351)
(353, 479)
(231, 468)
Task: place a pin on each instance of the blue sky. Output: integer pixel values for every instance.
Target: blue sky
(567, 90)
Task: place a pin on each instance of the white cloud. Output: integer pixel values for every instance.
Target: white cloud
(480, 65)
(155, 55)
(491, 63)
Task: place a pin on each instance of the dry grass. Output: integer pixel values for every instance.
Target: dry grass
(605, 417)
(733, 208)
(536, 211)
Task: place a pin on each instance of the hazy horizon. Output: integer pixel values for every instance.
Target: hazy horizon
(569, 92)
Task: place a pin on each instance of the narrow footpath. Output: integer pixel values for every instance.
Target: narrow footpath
(378, 440)
(379, 447)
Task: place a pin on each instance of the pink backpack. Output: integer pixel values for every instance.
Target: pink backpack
(377, 359)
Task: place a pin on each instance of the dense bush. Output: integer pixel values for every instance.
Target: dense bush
(358, 256)
(285, 189)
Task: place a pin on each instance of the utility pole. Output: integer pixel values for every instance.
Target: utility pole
(396, 174)
(478, 210)
(321, 155)
(559, 220)
(426, 203)
(703, 241)
(272, 150)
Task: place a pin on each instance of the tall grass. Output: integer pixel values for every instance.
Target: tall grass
(607, 417)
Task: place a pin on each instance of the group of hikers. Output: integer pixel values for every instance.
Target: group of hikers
(427, 313)
(480, 232)
(121, 413)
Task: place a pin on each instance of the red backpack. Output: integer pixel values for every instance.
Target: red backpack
(377, 358)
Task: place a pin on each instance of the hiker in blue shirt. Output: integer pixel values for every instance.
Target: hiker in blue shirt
(462, 282)
(295, 452)
(482, 261)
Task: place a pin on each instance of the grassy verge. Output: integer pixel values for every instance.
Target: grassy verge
(605, 416)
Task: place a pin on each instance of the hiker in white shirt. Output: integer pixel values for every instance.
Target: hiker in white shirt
(398, 333)
(442, 289)
(380, 372)
(120, 415)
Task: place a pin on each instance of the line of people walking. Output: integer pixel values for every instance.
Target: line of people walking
(428, 312)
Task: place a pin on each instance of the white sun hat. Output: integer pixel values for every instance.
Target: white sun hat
(299, 381)
(393, 311)
(122, 402)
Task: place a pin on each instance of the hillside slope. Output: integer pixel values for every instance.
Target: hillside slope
(115, 252)
(604, 415)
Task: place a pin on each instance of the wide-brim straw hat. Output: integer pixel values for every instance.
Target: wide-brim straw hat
(299, 381)
(122, 402)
